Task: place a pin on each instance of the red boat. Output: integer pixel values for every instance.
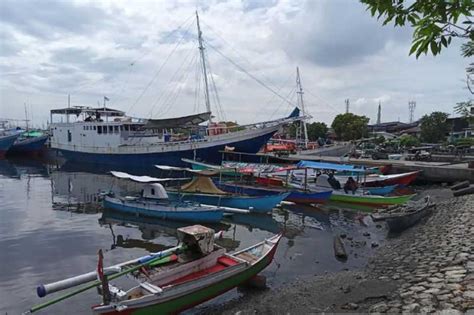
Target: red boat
(403, 179)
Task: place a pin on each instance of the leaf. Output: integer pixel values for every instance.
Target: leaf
(443, 41)
(434, 47)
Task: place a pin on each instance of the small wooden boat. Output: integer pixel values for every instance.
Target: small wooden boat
(369, 200)
(184, 283)
(408, 216)
(155, 202)
(202, 189)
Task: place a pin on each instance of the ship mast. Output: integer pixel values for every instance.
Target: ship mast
(203, 59)
(301, 103)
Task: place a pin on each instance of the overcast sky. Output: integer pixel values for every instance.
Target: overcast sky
(143, 56)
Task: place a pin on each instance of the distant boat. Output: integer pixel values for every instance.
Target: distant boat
(29, 142)
(6, 141)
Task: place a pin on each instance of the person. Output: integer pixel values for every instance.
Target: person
(335, 184)
(350, 185)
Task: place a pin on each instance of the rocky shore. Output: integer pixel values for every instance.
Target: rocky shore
(428, 268)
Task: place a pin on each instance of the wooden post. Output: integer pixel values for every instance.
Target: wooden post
(306, 179)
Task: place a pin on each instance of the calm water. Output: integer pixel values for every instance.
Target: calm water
(51, 227)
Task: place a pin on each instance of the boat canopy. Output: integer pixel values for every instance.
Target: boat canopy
(212, 172)
(202, 184)
(144, 179)
(178, 122)
(331, 166)
(77, 110)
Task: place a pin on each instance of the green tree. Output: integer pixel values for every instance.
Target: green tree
(407, 141)
(434, 127)
(349, 126)
(435, 22)
(317, 130)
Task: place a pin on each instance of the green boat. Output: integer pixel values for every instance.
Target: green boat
(201, 166)
(181, 285)
(369, 200)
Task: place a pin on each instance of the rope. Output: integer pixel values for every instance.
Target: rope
(249, 74)
(161, 67)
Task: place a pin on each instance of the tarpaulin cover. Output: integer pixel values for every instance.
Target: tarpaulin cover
(331, 166)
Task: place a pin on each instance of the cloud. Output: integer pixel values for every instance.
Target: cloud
(120, 49)
(49, 19)
(334, 33)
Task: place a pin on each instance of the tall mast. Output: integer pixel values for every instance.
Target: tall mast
(301, 103)
(203, 59)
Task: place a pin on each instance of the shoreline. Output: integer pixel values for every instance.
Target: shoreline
(428, 268)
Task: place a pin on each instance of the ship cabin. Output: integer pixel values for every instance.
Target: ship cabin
(81, 126)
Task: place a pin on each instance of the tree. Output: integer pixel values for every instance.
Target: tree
(434, 127)
(317, 130)
(349, 126)
(435, 22)
(407, 141)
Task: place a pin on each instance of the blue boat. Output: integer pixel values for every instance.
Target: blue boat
(30, 142)
(154, 203)
(382, 191)
(296, 196)
(203, 190)
(6, 141)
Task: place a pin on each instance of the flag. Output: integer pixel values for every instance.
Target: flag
(106, 98)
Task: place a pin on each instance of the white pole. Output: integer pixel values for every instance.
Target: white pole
(201, 49)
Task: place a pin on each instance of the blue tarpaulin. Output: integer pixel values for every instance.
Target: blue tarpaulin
(331, 166)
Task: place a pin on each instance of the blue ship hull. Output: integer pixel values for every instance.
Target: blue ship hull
(6, 142)
(294, 195)
(209, 154)
(257, 204)
(28, 145)
(192, 215)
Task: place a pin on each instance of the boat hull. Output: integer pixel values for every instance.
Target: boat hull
(6, 142)
(260, 204)
(403, 180)
(382, 191)
(211, 154)
(28, 146)
(294, 195)
(191, 215)
(403, 222)
(370, 200)
(202, 294)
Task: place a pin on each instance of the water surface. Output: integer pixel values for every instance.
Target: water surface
(52, 225)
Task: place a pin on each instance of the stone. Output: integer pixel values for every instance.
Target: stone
(451, 311)
(434, 279)
(378, 308)
(444, 297)
(350, 306)
(468, 295)
(432, 291)
(414, 307)
(417, 288)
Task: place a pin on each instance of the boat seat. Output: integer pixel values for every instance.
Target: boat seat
(227, 261)
(248, 257)
(150, 287)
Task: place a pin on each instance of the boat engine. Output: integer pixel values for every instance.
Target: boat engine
(197, 238)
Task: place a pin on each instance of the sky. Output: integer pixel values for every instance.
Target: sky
(143, 56)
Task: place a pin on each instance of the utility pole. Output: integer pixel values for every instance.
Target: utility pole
(411, 109)
(347, 105)
(379, 114)
(201, 49)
